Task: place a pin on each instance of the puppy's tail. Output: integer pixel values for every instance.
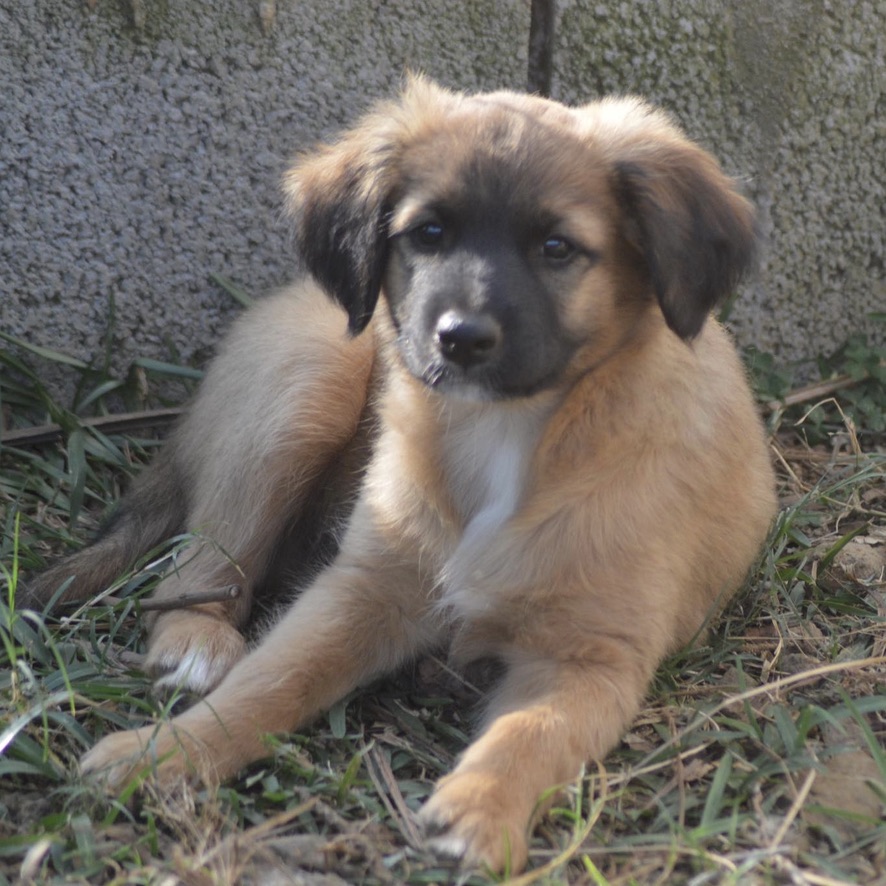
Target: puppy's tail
(153, 511)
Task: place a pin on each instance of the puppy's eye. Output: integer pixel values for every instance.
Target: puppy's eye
(429, 235)
(558, 249)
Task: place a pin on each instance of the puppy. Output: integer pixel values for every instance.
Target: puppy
(536, 446)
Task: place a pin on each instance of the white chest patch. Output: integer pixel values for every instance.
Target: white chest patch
(487, 451)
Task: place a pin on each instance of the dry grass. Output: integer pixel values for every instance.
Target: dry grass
(759, 758)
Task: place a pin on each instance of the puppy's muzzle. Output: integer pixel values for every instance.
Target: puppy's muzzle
(467, 339)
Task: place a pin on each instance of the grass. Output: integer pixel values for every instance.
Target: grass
(758, 759)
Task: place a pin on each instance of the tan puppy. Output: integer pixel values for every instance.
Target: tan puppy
(538, 447)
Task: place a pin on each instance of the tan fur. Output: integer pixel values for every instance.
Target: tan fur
(579, 534)
(304, 387)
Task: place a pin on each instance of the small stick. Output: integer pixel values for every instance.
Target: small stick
(109, 424)
(817, 390)
(813, 392)
(386, 784)
(183, 601)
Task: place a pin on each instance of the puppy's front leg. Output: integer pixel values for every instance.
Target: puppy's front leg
(358, 620)
(549, 718)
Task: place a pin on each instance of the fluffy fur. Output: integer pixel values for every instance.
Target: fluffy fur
(537, 446)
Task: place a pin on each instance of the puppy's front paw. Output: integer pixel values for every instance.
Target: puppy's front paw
(192, 651)
(152, 752)
(475, 817)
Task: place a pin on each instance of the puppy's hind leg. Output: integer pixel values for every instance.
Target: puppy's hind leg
(280, 404)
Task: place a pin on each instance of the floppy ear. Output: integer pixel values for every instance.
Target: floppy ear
(338, 197)
(341, 196)
(695, 232)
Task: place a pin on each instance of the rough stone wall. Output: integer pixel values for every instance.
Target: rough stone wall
(791, 96)
(137, 161)
(137, 158)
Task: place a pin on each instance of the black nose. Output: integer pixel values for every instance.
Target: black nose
(467, 339)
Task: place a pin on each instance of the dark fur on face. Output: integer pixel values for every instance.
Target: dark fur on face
(481, 276)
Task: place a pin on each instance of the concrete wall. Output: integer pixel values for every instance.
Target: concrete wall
(134, 161)
(791, 96)
(143, 141)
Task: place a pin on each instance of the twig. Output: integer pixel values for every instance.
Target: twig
(108, 424)
(183, 601)
(793, 812)
(386, 784)
(816, 390)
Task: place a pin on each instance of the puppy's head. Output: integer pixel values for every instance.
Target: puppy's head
(516, 239)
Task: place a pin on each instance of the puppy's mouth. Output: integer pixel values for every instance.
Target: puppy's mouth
(467, 357)
(469, 386)
(425, 364)
(479, 385)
